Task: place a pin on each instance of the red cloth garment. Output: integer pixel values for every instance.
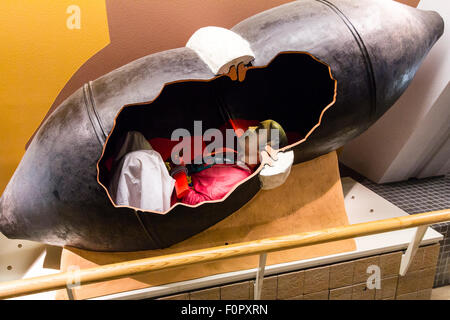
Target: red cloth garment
(164, 147)
(214, 183)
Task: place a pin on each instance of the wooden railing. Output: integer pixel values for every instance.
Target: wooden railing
(262, 247)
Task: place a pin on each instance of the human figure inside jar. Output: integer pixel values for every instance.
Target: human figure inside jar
(215, 181)
(145, 177)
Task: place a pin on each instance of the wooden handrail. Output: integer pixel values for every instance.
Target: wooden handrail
(123, 269)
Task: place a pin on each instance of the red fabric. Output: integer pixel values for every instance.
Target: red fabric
(214, 183)
(164, 147)
(181, 184)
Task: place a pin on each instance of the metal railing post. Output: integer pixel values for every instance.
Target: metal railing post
(70, 293)
(260, 276)
(412, 249)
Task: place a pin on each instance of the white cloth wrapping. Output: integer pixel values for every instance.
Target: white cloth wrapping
(144, 182)
(140, 178)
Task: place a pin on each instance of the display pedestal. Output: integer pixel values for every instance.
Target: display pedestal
(311, 199)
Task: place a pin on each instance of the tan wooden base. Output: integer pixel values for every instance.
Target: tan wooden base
(311, 199)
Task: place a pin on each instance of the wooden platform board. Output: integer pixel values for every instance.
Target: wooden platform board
(311, 199)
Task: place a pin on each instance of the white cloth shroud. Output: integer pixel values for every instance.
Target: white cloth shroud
(140, 178)
(144, 182)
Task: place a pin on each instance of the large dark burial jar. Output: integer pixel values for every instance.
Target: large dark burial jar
(368, 49)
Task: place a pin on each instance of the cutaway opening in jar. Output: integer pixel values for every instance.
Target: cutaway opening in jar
(293, 90)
